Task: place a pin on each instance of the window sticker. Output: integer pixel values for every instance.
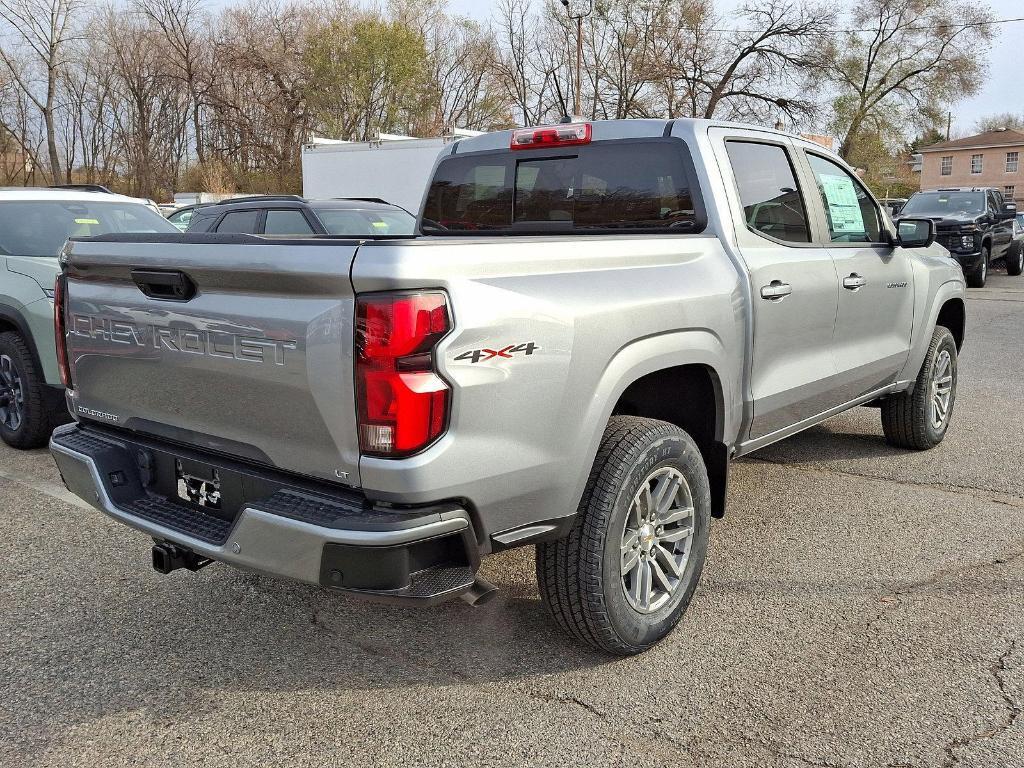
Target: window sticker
(843, 207)
(86, 221)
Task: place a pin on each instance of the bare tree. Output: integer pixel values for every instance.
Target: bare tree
(529, 64)
(184, 25)
(1005, 120)
(765, 67)
(44, 29)
(915, 58)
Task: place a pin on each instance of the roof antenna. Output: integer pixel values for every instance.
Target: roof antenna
(565, 120)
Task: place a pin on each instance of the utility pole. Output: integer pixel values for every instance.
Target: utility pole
(578, 17)
(949, 123)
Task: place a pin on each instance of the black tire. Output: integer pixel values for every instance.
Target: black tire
(1015, 258)
(976, 277)
(35, 423)
(907, 418)
(580, 577)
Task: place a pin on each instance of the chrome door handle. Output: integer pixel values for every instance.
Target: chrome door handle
(776, 290)
(854, 281)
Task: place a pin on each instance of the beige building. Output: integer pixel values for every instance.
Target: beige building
(991, 159)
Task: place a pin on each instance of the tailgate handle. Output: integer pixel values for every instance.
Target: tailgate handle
(164, 285)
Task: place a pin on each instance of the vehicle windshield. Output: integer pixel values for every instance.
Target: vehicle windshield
(366, 223)
(945, 203)
(41, 227)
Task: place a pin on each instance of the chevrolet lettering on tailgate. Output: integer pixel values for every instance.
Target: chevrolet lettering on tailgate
(255, 349)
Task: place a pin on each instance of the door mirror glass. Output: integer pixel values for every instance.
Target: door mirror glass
(915, 233)
(1009, 211)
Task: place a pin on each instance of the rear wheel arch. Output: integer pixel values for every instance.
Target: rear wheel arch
(691, 397)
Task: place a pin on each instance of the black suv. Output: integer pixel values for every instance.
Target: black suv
(974, 224)
(293, 216)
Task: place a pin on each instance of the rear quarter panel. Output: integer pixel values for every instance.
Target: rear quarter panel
(602, 311)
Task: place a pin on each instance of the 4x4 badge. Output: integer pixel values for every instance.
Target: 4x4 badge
(482, 355)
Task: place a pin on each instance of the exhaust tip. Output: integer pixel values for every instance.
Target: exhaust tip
(480, 593)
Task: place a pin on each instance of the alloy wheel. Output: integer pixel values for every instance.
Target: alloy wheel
(941, 389)
(656, 540)
(12, 394)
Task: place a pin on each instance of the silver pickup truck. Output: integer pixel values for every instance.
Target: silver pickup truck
(592, 321)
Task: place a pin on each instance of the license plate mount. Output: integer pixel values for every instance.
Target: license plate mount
(198, 484)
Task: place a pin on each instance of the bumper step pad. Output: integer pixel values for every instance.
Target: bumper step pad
(428, 587)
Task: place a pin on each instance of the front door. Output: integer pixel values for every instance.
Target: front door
(793, 282)
(875, 283)
(1002, 229)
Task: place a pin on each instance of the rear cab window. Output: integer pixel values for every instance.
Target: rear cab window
(635, 185)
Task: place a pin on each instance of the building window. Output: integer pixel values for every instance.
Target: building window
(946, 169)
(1008, 192)
(1011, 161)
(976, 163)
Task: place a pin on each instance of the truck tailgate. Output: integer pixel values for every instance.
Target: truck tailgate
(244, 348)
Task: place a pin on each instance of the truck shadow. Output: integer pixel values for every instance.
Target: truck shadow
(175, 646)
(824, 443)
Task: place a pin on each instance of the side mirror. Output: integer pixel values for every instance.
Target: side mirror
(1009, 212)
(915, 233)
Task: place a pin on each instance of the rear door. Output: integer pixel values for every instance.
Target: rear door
(875, 282)
(253, 359)
(246, 222)
(290, 222)
(793, 282)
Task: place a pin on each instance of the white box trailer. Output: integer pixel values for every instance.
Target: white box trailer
(394, 168)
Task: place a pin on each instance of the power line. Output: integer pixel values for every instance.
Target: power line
(968, 25)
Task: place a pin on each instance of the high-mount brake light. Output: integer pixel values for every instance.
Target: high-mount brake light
(60, 330)
(565, 135)
(402, 403)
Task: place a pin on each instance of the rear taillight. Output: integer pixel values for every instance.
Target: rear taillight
(570, 134)
(402, 403)
(60, 330)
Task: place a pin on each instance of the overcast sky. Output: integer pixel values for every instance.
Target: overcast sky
(1002, 91)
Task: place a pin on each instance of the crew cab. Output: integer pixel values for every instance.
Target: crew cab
(975, 224)
(592, 321)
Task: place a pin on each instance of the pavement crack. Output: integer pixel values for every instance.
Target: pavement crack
(1013, 710)
(942, 573)
(551, 698)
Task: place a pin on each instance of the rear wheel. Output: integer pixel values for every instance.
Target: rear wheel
(976, 277)
(1015, 259)
(625, 574)
(918, 420)
(25, 420)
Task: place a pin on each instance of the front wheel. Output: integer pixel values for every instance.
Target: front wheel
(625, 574)
(976, 277)
(1015, 259)
(918, 420)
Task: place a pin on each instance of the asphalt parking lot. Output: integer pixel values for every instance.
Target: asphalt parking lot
(861, 606)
